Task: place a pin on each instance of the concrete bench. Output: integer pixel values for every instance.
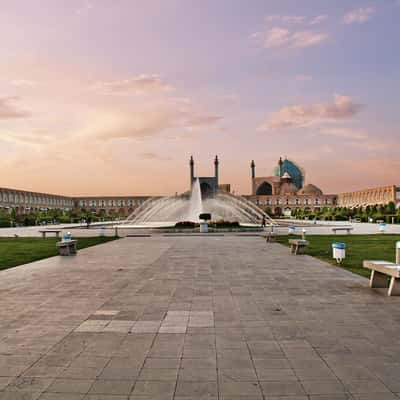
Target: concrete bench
(298, 246)
(67, 247)
(56, 231)
(343, 228)
(380, 272)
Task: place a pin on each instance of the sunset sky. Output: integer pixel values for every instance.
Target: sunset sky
(113, 96)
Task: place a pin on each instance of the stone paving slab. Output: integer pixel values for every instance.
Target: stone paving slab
(195, 318)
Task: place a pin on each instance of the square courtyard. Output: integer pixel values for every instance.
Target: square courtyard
(219, 317)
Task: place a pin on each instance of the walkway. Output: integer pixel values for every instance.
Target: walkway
(226, 318)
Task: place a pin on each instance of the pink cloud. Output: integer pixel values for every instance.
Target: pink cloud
(135, 85)
(342, 107)
(284, 38)
(8, 110)
(360, 15)
(318, 19)
(285, 18)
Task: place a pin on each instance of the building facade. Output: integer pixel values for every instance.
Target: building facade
(24, 202)
(286, 191)
(209, 185)
(368, 197)
(113, 206)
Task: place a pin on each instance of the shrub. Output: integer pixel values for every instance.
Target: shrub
(185, 224)
(4, 222)
(227, 224)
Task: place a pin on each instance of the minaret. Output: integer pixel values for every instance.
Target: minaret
(253, 169)
(280, 163)
(216, 163)
(191, 171)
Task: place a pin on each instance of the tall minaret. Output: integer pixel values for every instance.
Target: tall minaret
(253, 169)
(216, 163)
(280, 163)
(191, 171)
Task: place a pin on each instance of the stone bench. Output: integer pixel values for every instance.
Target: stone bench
(45, 232)
(67, 247)
(343, 228)
(298, 246)
(380, 272)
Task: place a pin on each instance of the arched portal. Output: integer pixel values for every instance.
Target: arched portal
(265, 189)
(206, 190)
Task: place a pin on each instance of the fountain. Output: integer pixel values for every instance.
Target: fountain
(167, 211)
(195, 205)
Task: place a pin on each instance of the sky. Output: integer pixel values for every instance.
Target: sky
(111, 97)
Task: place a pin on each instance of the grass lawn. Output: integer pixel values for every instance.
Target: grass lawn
(17, 251)
(358, 249)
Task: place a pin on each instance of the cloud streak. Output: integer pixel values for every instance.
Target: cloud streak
(318, 19)
(147, 122)
(278, 37)
(8, 109)
(359, 16)
(137, 85)
(291, 19)
(342, 107)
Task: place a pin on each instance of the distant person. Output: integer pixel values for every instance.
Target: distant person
(263, 222)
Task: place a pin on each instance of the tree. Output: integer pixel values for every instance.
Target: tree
(391, 208)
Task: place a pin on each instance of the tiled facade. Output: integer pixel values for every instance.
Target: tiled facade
(110, 205)
(25, 201)
(381, 195)
(284, 204)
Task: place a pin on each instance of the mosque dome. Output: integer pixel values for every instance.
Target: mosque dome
(311, 190)
(291, 168)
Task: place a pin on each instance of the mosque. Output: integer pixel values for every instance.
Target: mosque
(286, 190)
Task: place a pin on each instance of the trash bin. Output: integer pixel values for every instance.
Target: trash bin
(67, 236)
(204, 217)
(203, 227)
(339, 251)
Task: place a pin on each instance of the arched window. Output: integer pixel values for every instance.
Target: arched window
(265, 189)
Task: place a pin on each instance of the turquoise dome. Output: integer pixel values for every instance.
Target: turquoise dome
(293, 170)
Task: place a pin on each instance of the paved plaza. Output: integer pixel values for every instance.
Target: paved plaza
(226, 318)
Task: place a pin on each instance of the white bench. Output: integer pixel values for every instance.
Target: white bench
(298, 246)
(380, 272)
(56, 231)
(343, 228)
(67, 247)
